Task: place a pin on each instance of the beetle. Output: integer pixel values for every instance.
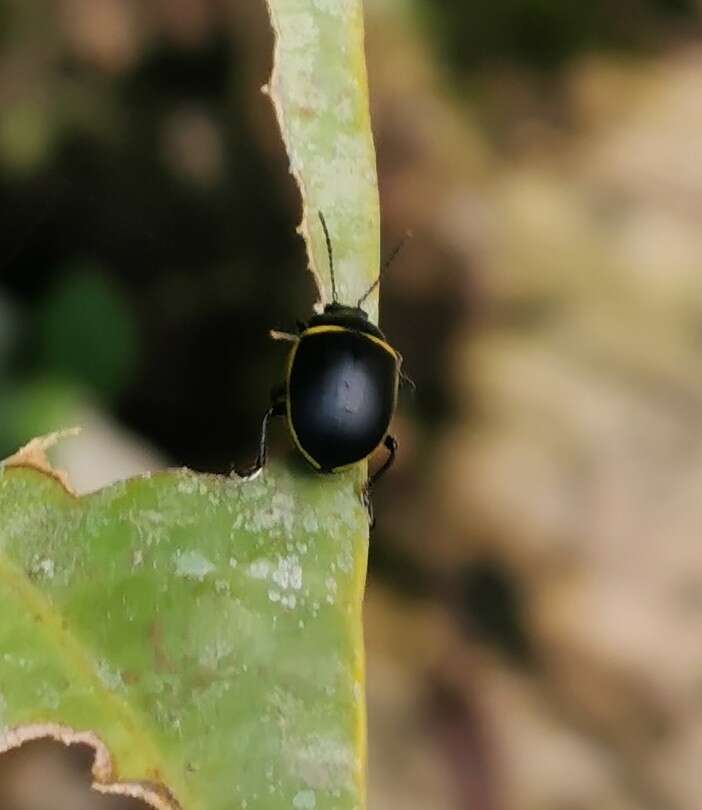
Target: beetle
(341, 387)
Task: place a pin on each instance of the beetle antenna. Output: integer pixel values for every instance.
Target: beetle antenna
(330, 254)
(386, 264)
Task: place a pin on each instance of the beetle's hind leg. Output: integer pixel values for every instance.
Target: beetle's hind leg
(278, 408)
(390, 444)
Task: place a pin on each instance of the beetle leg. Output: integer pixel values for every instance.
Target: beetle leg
(276, 334)
(276, 409)
(278, 394)
(368, 503)
(408, 382)
(405, 380)
(390, 444)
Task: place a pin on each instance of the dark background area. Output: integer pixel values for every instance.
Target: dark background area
(137, 178)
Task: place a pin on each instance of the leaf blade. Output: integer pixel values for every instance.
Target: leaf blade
(319, 90)
(205, 605)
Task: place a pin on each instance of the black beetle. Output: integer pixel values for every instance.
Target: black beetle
(341, 387)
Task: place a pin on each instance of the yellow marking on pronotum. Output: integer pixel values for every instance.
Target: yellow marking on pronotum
(317, 330)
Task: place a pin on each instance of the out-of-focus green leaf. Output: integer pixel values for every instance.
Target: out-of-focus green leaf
(34, 408)
(86, 333)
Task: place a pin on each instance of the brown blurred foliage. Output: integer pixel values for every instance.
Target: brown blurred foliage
(559, 519)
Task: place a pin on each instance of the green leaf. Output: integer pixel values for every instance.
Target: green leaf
(34, 407)
(86, 333)
(205, 631)
(204, 634)
(320, 92)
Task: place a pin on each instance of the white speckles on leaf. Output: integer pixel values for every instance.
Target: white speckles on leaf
(301, 32)
(306, 93)
(188, 483)
(344, 559)
(152, 516)
(288, 573)
(344, 110)
(214, 653)
(193, 565)
(109, 678)
(305, 800)
(324, 762)
(279, 518)
(149, 525)
(328, 6)
(259, 569)
(45, 568)
(310, 522)
(283, 505)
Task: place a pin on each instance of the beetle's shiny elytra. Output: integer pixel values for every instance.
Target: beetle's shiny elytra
(340, 390)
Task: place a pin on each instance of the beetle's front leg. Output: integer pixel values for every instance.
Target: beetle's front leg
(278, 408)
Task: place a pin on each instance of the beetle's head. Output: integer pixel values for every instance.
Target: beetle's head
(354, 318)
(345, 311)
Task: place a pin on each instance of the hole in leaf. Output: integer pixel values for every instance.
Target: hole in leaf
(47, 775)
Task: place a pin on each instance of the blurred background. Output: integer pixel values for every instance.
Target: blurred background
(534, 611)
